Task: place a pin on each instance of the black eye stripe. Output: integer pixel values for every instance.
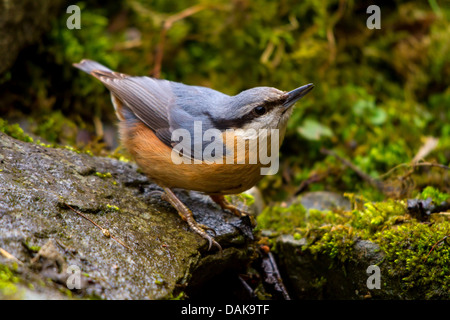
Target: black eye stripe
(224, 124)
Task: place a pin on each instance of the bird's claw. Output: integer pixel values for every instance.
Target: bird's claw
(187, 216)
(225, 205)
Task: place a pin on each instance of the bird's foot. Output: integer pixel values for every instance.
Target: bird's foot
(187, 216)
(225, 205)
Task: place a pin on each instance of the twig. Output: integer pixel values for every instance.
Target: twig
(429, 145)
(339, 13)
(105, 232)
(313, 178)
(414, 165)
(272, 275)
(166, 26)
(251, 293)
(374, 182)
(432, 248)
(377, 183)
(9, 256)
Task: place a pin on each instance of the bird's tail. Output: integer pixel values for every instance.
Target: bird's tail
(89, 66)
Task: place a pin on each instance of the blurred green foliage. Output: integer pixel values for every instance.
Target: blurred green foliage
(378, 92)
(14, 130)
(437, 196)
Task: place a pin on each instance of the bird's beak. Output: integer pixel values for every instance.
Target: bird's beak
(294, 95)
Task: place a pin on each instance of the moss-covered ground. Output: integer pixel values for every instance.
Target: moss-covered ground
(417, 252)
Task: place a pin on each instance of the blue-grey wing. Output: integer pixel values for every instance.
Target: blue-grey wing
(164, 106)
(140, 98)
(192, 113)
(149, 99)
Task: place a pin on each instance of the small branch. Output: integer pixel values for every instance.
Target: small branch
(428, 146)
(9, 256)
(432, 248)
(374, 182)
(166, 26)
(105, 232)
(272, 275)
(377, 183)
(414, 165)
(313, 178)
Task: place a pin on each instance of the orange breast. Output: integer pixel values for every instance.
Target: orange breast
(154, 159)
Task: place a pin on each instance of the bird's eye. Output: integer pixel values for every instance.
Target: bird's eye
(259, 110)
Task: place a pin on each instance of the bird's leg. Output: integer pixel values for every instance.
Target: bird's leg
(187, 216)
(225, 205)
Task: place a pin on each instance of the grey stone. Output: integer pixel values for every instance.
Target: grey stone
(160, 255)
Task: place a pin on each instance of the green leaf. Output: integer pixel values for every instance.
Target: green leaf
(313, 130)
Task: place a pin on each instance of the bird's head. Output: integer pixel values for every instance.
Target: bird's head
(262, 108)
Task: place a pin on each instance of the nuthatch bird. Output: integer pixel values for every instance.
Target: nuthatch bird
(152, 110)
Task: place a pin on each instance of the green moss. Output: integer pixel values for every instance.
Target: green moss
(246, 198)
(56, 128)
(77, 150)
(437, 196)
(282, 219)
(112, 207)
(417, 253)
(335, 242)
(318, 282)
(31, 247)
(180, 296)
(103, 175)
(8, 281)
(14, 130)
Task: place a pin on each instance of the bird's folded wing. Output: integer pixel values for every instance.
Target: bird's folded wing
(162, 105)
(149, 99)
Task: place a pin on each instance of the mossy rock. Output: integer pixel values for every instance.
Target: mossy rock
(150, 252)
(326, 254)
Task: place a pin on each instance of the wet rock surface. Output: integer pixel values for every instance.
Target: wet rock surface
(323, 200)
(320, 277)
(361, 270)
(311, 276)
(150, 253)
